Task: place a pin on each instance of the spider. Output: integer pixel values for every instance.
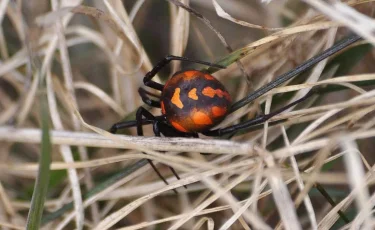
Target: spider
(193, 101)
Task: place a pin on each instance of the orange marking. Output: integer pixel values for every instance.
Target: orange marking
(218, 111)
(162, 107)
(176, 98)
(200, 118)
(193, 94)
(191, 74)
(178, 127)
(210, 92)
(209, 77)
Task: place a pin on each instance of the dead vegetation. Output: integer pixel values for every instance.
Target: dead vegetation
(88, 58)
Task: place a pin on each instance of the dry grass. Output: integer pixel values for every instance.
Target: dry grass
(93, 60)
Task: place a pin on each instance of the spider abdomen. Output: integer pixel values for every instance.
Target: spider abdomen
(193, 101)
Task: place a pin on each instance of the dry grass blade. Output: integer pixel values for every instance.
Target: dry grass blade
(10, 226)
(113, 22)
(112, 219)
(66, 153)
(101, 95)
(6, 201)
(222, 193)
(211, 27)
(180, 20)
(29, 100)
(280, 193)
(336, 80)
(126, 142)
(318, 143)
(123, 27)
(65, 150)
(307, 200)
(356, 176)
(221, 13)
(250, 201)
(202, 221)
(328, 221)
(341, 12)
(3, 6)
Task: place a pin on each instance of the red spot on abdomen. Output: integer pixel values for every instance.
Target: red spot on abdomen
(201, 118)
(210, 92)
(218, 111)
(190, 74)
(178, 127)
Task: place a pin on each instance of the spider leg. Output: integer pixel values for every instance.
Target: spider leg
(147, 100)
(128, 124)
(294, 72)
(147, 79)
(140, 113)
(255, 121)
(157, 132)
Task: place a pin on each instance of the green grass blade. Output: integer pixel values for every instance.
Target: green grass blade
(41, 184)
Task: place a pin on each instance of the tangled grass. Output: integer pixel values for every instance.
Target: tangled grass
(70, 69)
